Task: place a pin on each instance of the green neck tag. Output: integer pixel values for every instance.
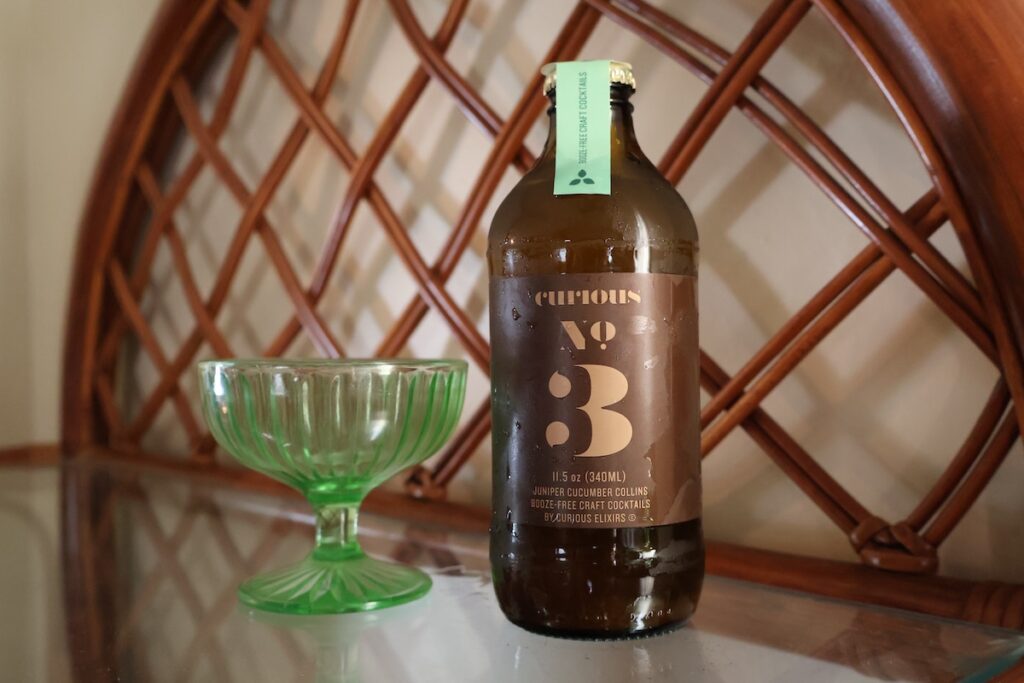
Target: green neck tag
(583, 118)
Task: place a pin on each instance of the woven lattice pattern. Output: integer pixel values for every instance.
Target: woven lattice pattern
(181, 146)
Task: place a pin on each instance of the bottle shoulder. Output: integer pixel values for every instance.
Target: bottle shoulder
(642, 207)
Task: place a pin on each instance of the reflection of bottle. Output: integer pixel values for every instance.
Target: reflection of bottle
(596, 528)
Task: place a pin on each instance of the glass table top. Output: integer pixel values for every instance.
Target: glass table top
(138, 584)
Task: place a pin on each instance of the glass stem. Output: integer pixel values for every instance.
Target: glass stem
(336, 526)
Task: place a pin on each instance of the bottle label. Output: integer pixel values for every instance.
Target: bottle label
(583, 119)
(596, 400)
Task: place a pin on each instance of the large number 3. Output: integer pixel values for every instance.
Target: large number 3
(610, 431)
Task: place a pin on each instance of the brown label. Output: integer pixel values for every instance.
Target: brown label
(596, 399)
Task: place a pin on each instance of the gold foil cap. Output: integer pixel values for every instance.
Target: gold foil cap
(618, 72)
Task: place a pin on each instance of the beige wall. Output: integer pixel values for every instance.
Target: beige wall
(81, 53)
(883, 403)
(63, 67)
(15, 357)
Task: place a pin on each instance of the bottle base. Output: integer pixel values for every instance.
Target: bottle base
(570, 634)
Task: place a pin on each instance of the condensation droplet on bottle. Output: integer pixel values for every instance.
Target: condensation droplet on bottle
(519, 425)
(515, 314)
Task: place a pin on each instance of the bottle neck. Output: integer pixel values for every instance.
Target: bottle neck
(623, 137)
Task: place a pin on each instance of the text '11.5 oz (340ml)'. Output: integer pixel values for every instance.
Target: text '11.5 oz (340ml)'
(596, 528)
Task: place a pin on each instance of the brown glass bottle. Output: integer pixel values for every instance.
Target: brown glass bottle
(566, 580)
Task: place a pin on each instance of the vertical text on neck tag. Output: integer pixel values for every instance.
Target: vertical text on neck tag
(583, 134)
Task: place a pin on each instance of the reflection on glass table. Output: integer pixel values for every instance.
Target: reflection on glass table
(151, 563)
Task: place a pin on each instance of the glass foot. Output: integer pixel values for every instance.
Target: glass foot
(334, 586)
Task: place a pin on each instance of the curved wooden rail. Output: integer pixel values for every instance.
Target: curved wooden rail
(962, 66)
(944, 66)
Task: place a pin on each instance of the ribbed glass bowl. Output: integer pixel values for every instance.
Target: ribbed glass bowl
(333, 430)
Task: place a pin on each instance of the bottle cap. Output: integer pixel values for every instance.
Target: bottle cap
(618, 72)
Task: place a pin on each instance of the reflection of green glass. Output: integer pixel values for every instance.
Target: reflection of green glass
(333, 430)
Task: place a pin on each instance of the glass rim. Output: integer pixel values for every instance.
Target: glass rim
(331, 363)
